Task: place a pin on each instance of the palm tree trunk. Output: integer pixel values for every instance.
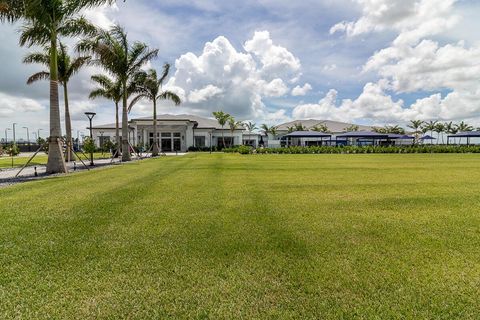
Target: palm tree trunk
(56, 161)
(125, 146)
(68, 125)
(223, 139)
(117, 130)
(155, 138)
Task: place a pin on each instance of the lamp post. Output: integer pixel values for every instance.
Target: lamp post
(90, 116)
(6, 135)
(28, 137)
(38, 133)
(14, 140)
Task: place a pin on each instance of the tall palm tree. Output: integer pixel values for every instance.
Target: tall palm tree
(111, 90)
(44, 21)
(416, 125)
(450, 128)
(150, 88)
(439, 129)
(463, 127)
(251, 126)
(430, 126)
(67, 67)
(233, 125)
(222, 119)
(123, 60)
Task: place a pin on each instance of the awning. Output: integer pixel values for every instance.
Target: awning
(308, 134)
(468, 134)
(363, 134)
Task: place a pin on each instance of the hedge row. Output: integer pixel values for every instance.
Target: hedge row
(357, 149)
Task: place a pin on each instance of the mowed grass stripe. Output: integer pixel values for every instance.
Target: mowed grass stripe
(229, 236)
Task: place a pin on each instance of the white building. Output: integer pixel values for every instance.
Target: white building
(178, 133)
(181, 132)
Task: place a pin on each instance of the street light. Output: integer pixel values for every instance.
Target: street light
(38, 133)
(14, 140)
(6, 134)
(28, 137)
(90, 116)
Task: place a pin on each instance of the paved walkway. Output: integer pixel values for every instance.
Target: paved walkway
(8, 175)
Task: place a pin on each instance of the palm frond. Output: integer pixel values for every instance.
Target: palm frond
(135, 100)
(37, 57)
(166, 70)
(34, 34)
(77, 26)
(42, 75)
(169, 95)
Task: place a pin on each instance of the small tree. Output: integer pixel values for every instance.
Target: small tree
(222, 119)
(234, 125)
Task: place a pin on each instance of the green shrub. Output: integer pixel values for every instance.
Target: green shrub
(12, 150)
(89, 145)
(364, 149)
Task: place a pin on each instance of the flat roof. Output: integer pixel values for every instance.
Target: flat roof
(363, 134)
(308, 134)
(467, 134)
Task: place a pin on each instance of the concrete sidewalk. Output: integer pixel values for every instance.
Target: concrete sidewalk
(7, 176)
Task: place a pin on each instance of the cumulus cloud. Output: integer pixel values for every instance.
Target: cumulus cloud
(413, 63)
(414, 19)
(301, 91)
(237, 82)
(12, 105)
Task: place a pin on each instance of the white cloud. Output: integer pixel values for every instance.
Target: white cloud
(200, 95)
(301, 91)
(414, 19)
(413, 63)
(237, 82)
(12, 105)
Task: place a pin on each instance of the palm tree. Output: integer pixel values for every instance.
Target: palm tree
(234, 125)
(222, 119)
(430, 126)
(439, 128)
(67, 67)
(463, 127)
(44, 21)
(416, 125)
(251, 126)
(150, 88)
(123, 60)
(111, 90)
(450, 128)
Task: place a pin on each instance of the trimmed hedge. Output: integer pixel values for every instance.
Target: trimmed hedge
(358, 149)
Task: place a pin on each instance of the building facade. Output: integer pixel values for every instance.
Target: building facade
(178, 133)
(182, 132)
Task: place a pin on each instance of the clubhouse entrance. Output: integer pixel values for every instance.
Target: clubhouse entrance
(169, 141)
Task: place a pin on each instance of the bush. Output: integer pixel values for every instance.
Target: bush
(203, 149)
(12, 150)
(89, 145)
(361, 149)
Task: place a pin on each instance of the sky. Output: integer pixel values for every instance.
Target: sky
(362, 61)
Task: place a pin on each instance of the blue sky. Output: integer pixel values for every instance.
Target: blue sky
(385, 61)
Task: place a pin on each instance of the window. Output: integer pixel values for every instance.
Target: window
(176, 134)
(166, 134)
(199, 141)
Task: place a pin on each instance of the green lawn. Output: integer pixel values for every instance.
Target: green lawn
(40, 159)
(228, 236)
